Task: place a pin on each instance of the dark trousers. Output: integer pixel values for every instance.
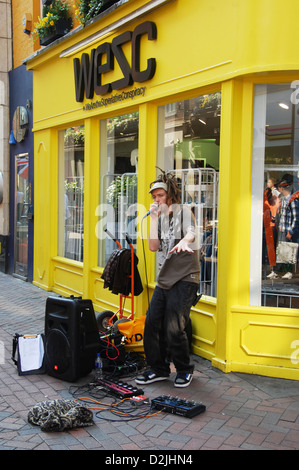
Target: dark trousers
(164, 332)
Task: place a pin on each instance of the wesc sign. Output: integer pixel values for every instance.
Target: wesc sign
(89, 73)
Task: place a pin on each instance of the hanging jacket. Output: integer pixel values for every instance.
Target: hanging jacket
(117, 271)
(110, 269)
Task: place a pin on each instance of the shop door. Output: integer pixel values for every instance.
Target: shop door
(22, 202)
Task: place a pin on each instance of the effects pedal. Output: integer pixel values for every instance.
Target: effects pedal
(119, 389)
(178, 406)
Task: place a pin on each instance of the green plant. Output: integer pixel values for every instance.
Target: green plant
(124, 124)
(87, 9)
(115, 189)
(73, 187)
(74, 136)
(58, 10)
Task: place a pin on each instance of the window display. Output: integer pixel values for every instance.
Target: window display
(275, 203)
(71, 193)
(117, 210)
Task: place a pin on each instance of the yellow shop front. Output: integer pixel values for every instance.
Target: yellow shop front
(208, 90)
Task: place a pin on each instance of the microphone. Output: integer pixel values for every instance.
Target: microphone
(153, 209)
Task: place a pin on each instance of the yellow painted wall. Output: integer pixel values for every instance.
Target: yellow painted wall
(198, 43)
(202, 46)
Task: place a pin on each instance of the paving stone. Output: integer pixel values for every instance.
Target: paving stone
(244, 411)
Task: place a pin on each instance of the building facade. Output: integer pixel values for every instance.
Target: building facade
(17, 242)
(20, 157)
(5, 66)
(207, 90)
(21, 170)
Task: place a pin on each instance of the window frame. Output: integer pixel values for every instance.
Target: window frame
(258, 172)
(170, 112)
(61, 226)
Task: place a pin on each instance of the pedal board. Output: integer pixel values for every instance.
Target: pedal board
(119, 389)
(178, 406)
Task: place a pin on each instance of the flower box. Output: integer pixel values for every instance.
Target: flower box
(107, 4)
(62, 27)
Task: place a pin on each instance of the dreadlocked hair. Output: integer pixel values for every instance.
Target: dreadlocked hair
(173, 189)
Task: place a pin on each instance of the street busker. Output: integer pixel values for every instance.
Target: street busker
(174, 236)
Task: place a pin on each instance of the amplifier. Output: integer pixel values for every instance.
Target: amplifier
(178, 406)
(119, 389)
(71, 337)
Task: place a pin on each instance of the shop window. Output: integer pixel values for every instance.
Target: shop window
(274, 275)
(188, 144)
(71, 193)
(117, 210)
(23, 203)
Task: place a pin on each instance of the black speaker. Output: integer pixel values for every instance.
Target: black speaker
(71, 337)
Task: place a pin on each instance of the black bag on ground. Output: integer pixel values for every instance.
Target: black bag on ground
(28, 354)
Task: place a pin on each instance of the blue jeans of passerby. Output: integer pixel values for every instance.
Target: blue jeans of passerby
(164, 332)
(295, 236)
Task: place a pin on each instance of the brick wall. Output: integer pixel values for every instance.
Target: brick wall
(23, 44)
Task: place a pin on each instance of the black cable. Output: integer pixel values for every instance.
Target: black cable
(146, 413)
(126, 409)
(144, 258)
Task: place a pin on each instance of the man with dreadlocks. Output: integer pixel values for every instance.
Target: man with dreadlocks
(173, 235)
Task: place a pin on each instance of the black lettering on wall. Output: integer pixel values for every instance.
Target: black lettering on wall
(122, 61)
(89, 72)
(84, 76)
(149, 28)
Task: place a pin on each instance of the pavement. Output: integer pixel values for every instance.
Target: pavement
(243, 412)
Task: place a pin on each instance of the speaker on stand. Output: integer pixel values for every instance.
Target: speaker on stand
(71, 337)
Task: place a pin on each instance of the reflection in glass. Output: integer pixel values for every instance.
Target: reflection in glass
(22, 201)
(275, 203)
(188, 144)
(118, 189)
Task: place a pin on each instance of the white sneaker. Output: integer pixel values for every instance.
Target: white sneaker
(272, 275)
(287, 276)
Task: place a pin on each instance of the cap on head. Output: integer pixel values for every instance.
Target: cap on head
(169, 183)
(158, 185)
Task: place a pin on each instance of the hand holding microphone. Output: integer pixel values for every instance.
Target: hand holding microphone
(154, 208)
